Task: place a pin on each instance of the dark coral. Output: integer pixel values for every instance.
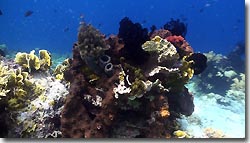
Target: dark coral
(182, 102)
(200, 62)
(133, 36)
(176, 27)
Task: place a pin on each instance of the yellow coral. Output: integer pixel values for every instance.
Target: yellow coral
(45, 59)
(181, 134)
(16, 88)
(31, 62)
(28, 61)
(186, 69)
(164, 50)
(59, 70)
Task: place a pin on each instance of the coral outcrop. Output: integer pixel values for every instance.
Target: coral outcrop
(114, 92)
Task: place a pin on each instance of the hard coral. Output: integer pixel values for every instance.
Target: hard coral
(162, 49)
(45, 60)
(30, 62)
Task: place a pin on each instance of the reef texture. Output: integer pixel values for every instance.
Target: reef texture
(30, 101)
(133, 88)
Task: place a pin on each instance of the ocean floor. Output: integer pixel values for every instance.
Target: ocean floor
(211, 119)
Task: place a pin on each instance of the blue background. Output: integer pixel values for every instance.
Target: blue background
(215, 25)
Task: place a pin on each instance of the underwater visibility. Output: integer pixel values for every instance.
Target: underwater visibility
(122, 69)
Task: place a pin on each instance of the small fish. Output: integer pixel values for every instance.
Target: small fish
(1, 13)
(28, 13)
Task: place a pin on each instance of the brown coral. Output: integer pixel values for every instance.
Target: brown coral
(79, 117)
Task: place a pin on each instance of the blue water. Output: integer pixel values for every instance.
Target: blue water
(212, 24)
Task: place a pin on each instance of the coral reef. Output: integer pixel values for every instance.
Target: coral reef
(220, 76)
(127, 86)
(176, 27)
(181, 44)
(110, 94)
(30, 105)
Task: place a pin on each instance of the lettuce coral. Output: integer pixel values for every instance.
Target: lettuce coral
(30, 62)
